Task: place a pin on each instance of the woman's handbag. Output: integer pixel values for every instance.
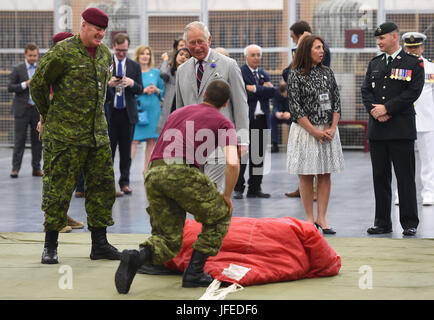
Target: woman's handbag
(143, 118)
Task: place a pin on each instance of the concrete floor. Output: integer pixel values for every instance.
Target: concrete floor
(350, 211)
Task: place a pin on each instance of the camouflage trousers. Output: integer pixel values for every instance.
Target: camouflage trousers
(172, 190)
(62, 166)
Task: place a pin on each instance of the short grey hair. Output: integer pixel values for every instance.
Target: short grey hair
(246, 49)
(196, 25)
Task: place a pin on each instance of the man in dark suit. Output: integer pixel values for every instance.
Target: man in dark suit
(394, 80)
(259, 92)
(121, 108)
(25, 112)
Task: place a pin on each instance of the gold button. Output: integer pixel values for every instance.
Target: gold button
(384, 87)
(385, 77)
(383, 98)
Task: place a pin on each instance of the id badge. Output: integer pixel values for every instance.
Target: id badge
(324, 102)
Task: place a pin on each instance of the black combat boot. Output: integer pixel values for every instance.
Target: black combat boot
(49, 255)
(101, 249)
(131, 260)
(194, 276)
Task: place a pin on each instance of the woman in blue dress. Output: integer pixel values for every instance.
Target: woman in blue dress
(149, 101)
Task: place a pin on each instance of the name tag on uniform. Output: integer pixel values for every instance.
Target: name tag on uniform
(324, 101)
(401, 74)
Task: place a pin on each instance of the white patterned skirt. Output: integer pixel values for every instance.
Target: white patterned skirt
(307, 156)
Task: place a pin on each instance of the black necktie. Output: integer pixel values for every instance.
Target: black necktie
(389, 60)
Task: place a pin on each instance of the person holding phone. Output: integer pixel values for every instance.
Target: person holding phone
(123, 87)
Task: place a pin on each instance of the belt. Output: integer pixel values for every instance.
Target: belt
(170, 161)
(255, 116)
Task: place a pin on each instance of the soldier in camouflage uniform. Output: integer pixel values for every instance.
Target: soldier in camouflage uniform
(74, 133)
(174, 186)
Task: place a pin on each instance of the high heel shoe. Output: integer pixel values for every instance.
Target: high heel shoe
(325, 231)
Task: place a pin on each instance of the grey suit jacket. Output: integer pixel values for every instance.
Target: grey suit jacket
(19, 74)
(218, 67)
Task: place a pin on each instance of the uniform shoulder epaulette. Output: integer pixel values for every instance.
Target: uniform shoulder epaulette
(378, 57)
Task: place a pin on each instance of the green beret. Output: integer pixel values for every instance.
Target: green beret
(385, 28)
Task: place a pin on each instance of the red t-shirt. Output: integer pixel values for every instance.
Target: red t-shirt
(193, 133)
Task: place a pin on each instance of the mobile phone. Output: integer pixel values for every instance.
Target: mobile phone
(119, 77)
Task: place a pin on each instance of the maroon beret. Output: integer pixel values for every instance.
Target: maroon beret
(61, 36)
(96, 17)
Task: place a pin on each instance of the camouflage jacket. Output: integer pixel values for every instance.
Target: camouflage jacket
(75, 115)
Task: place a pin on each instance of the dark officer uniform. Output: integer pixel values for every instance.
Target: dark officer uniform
(396, 85)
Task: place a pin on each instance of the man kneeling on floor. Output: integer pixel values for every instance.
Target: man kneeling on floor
(174, 186)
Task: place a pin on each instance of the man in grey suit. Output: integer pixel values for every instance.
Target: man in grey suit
(25, 112)
(192, 79)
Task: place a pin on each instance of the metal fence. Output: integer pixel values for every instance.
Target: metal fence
(346, 25)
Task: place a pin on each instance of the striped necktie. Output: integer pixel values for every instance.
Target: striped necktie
(199, 75)
(255, 74)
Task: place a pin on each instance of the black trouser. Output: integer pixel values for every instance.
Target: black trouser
(29, 119)
(400, 153)
(257, 147)
(121, 133)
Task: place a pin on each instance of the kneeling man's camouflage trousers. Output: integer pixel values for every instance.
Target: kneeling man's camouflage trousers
(173, 190)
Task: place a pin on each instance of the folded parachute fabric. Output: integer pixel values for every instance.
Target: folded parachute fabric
(266, 250)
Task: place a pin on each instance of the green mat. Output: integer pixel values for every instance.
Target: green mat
(372, 268)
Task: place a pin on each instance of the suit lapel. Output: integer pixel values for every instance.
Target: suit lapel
(193, 82)
(24, 71)
(208, 71)
(383, 66)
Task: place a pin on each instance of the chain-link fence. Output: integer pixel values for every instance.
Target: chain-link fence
(346, 25)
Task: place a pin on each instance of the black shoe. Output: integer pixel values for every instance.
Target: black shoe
(379, 230)
(101, 249)
(409, 231)
(258, 194)
(131, 260)
(238, 195)
(194, 276)
(274, 148)
(325, 231)
(49, 255)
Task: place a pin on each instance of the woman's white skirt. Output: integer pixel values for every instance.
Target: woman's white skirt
(307, 156)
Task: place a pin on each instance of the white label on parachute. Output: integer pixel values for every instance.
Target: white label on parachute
(235, 272)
